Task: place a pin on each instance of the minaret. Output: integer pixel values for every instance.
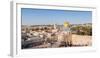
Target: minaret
(55, 26)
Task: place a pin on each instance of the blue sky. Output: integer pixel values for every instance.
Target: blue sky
(46, 16)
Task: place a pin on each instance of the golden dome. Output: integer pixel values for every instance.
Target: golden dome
(66, 24)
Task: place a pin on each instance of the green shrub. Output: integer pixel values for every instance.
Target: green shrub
(82, 30)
